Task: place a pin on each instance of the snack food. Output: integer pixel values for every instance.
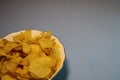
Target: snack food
(30, 55)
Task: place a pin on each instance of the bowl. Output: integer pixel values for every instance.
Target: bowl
(10, 36)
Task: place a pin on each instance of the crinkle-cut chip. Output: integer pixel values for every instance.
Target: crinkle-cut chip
(7, 77)
(36, 49)
(41, 72)
(9, 46)
(45, 43)
(26, 48)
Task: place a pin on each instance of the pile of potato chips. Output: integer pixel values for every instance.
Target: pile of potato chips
(29, 57)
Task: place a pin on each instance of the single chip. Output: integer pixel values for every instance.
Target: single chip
(41, 67)
(19, 37)
(7, 77)
(27, 60)
(1, 43)
(41, 72)
(11, 67)
(36, 49)
(45, 43)
(2, 53)
(48, 34)
(27, 35)
(9, 46)
(26, 48)
(55, 52)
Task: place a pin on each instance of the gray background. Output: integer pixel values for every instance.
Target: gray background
(89, 30)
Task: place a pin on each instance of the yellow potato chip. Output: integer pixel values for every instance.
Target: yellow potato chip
(19, 37)
(41, 66)
(36, 49)
(2, 53)
(26, 47)
(1, 43)
(31, 57)
(16, 60)
(9, 46)
(55, 52)
(11, 67)
(41, 72)
(27, 35)
(7, 77)
(18, 47)
(48, 34)
(45, 43)
(15, 55)
(23, 36)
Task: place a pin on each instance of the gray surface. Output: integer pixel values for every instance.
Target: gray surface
(89, 30)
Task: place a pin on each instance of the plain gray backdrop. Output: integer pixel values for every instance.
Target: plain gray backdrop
(88, 29)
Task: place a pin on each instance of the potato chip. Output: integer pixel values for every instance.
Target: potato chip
(2, 53)
(23, 36)
(1, 43)
(42, 62)
(7, 77)
(35, 49)
(19, 37)
(27, 35)
(4, 42)
(16, 60)
(9, 46)
(10, 66)
(48, 34)
(26, 48)
(41, 67)
(27, 60)
(45, 43)
(41, 72)
(18, 47)
(22, 73)
(55, 52)
(15, 55)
